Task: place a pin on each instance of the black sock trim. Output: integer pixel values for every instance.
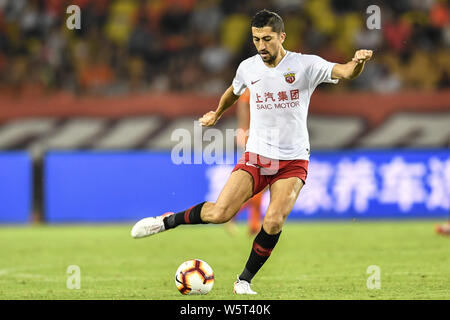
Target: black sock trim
(189, 216)
(265, 240)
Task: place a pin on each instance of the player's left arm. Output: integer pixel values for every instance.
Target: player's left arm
(353, 68)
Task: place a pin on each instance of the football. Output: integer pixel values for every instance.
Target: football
(194, 277)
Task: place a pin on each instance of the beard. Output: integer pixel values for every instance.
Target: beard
(268, 58)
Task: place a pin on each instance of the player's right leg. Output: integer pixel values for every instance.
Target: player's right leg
(237, 190)
(283, 195)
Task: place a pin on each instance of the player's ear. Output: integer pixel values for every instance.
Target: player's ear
(282, 36)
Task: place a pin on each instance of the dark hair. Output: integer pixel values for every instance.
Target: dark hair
(266, 18)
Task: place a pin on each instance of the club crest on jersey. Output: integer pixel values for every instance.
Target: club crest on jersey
(289, 77)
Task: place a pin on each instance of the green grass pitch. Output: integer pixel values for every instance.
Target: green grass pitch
(313, 260)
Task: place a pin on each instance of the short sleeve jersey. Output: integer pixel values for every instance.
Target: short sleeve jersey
(279, 102)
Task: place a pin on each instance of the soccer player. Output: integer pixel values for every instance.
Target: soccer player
(277, 151)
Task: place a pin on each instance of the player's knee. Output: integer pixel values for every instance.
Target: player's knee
(273, 224)
(220, 214)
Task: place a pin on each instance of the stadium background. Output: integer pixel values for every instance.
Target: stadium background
(86, 116)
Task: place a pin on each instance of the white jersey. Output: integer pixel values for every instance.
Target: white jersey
(279, 101)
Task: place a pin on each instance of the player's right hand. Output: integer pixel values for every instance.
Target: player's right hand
(209, 119)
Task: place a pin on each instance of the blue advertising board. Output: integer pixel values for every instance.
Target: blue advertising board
(117, 186)
(377, 184)
(127, 186)
(15, 187)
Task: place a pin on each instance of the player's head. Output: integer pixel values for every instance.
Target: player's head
(268, 34)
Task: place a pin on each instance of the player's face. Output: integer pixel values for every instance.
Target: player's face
(267, 42)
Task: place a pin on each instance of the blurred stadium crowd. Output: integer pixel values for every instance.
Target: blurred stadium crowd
(128, 46)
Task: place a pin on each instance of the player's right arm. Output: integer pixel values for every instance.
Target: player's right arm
(227, 100)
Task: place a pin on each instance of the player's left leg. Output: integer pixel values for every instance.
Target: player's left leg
(283, 194)
(237, 190)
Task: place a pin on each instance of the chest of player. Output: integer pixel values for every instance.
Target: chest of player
(278, 88)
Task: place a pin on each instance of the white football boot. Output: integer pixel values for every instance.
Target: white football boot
(149, 226)
(242, 287)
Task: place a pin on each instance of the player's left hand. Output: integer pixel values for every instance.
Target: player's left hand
(362, 56)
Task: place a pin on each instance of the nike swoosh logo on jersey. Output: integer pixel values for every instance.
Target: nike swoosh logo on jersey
(253, 82)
